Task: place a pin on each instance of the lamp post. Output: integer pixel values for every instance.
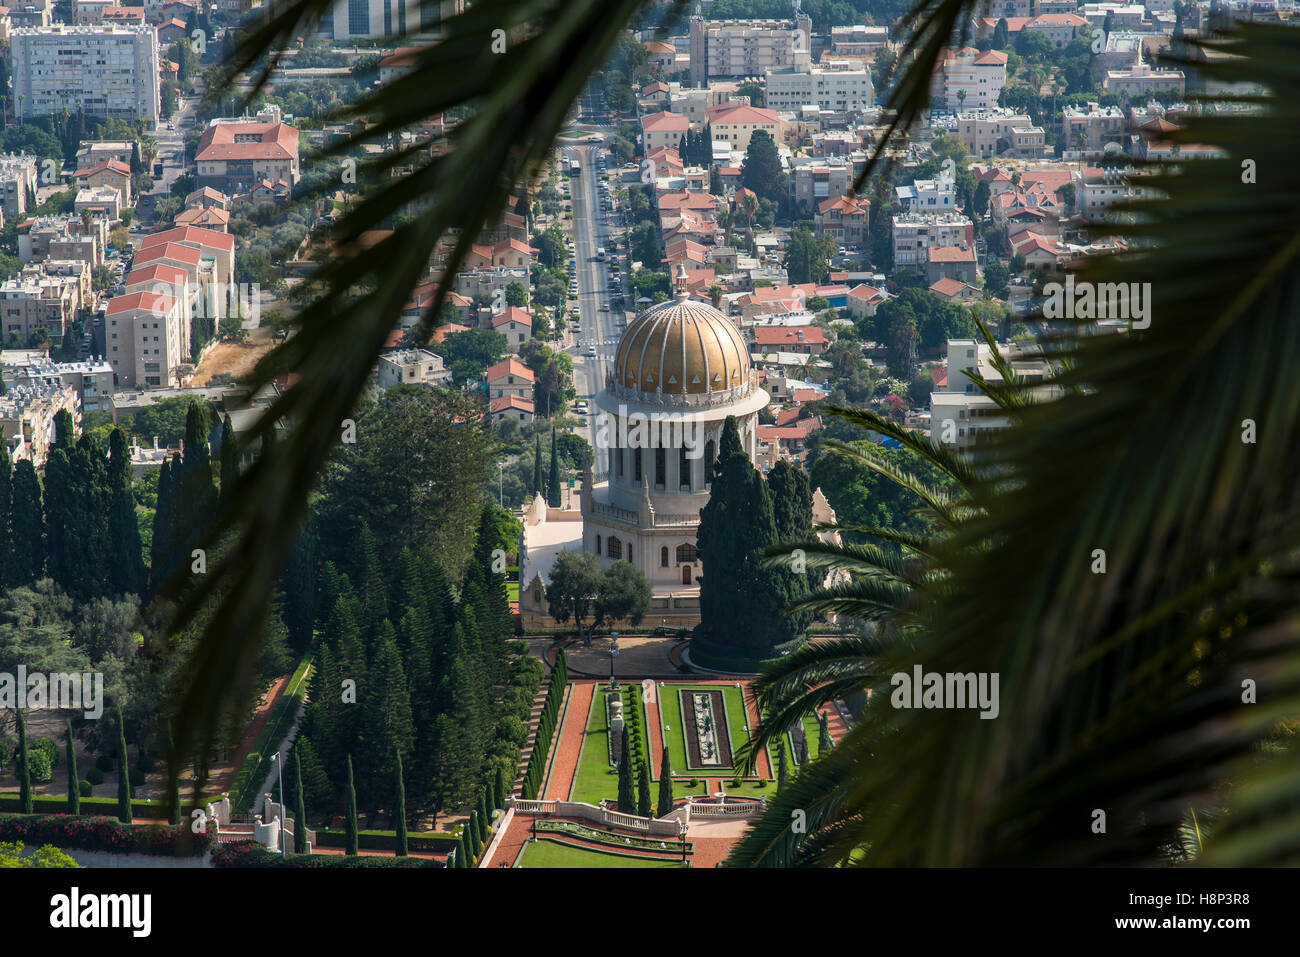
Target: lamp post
(681, 832)
(279, 770)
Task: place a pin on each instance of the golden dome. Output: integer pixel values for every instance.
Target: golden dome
(681, 347)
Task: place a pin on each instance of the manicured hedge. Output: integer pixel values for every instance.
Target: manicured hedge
(252, 854)
(97, 834)
(385, 840)
(90, 806)
(702, 656)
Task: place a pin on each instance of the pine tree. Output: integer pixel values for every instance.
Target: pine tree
(299, 587)
(626, 789)
(665, 805)
(351, 812)
(399, 814)
(537, 468)
(643, 806)
(123, 774)
(24, 771)
(300, 808)
(229, 457)
(74, 783)
(125, 560)
(386, 724)
(553, 484)
(27, 523)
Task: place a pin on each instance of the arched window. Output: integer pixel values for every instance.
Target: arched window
(686, 553)
(597, 544)
(663, 557)
(614, 548)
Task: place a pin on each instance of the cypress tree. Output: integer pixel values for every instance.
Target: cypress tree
(780, 764)
(125, 559)
(64, 430)
(6, 504)
(399, 814)
(626, 789)
(123, 774)
(472, 838)
(27, 524)
(351, 812)
(174, 816)
(824, 742)
(24, 772)
(199, 496)
(499, 789)
(553, 484)
(61, 522)
(643, 806)
(74, 784)
(160, 545)
(229, 457)
(537, 468)
(665, 786)
(462, 847)
(300, 809)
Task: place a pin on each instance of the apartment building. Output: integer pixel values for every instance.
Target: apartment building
(110, 72)
(212, 246)
(375, 19)
(510, 378)
(736, 123)
(858, 41)
(1088, 130)
(915, 232)
(814, 182)
(694, 103)
(19, 179)
(928, 195)
(147, 338)
(843, 217)
(1000, 132)
(663, 130)
(748, 48)
(411, 367)
(92, 379)
(838, 86)
(30, 303)
(27, 418)
(967, 78)
(107, 174)
(234, 155)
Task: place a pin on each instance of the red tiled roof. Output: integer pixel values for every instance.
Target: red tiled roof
(951, 254)
(274, 141)
(513, 314)
(504, 402)
(509, 367)
(196, 235)
(789, 335)
(186, 254)
(134, 301)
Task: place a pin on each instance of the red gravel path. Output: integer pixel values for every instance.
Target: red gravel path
(564, 766)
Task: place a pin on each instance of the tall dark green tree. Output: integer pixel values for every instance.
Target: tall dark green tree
(780, 765)
(553, 483)
(123, 773)
(824, 742)
(174, 816)
(65, 431)
(6, 506)
(761, 171)
(300, 808)
(499, 789)
(160, 544)
(626, 787)
(229, 456)
(665, 805)
(643, 805)
(74, 783)
(27, 522)
(399, 810)
(125, 559)
(740, 601)
(24, 770)
(350, 812)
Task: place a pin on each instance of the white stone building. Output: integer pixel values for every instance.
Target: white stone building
(105, 71)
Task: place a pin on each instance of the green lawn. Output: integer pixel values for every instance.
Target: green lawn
(670, 715)
(546, 853)
(512, 591)
(595, 779)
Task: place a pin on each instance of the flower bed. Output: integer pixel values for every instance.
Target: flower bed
(99, 834)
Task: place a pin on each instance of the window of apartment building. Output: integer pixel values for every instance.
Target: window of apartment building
(358, 17)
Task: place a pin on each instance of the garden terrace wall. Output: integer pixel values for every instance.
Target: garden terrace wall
(99, 834)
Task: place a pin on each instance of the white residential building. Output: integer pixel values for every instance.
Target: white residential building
(740, 48)
(840, 88)
(968, 79)
(105, 71)
(916, 232)
(375, 19)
